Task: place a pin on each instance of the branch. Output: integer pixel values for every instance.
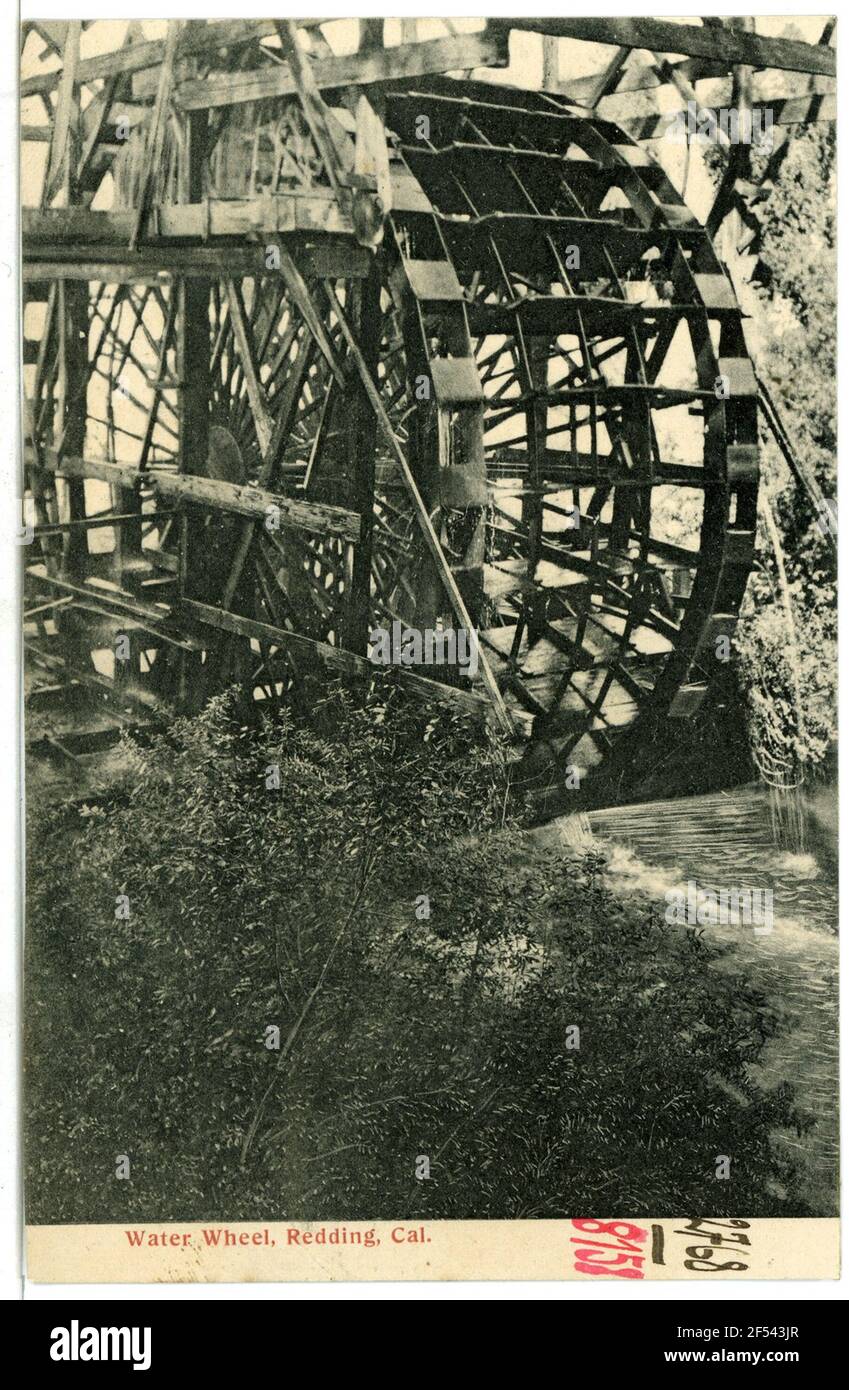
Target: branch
(367, 870)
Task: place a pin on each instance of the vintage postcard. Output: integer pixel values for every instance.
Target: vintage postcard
(428, 538)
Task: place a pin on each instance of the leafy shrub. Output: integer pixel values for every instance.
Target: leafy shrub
(401, 1035)
(797, 356)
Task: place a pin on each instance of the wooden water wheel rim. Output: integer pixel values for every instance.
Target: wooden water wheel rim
(594, 630)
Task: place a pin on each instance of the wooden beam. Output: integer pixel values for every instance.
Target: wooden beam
(53, 31)
(330, 258)
(726, 203)
(73, 377)
(155, 139)
(312, 318)
(647, 77)
(165, 342)
(637, 77)
(360, 462)
(139, 56)
(194, 375)
(258, 504)
(352, 69)
(72, 325)
(94, 523)
(607, 81)
(62, 146)
(550, 63)
(332, 142)
(422, 514)
(338, 658)
(263, 422)
(125, 694)
(792, 111)
(286, 404)
(316, 212)
(263, 425)
(700, 41)
(242, 499)
(116, 604)
(95, 117)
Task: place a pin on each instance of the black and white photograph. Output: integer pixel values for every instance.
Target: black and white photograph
(427, 534)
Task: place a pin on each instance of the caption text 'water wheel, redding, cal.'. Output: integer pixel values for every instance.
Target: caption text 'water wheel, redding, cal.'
(528, 408)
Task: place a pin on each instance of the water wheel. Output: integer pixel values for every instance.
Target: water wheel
(531, 407)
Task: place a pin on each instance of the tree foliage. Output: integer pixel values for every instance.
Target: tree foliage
(797, 333)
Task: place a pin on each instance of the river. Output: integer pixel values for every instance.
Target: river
(728, 840)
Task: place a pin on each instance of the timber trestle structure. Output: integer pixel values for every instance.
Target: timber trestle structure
(316, 341)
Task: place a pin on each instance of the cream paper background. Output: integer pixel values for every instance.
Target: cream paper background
(780, 1248)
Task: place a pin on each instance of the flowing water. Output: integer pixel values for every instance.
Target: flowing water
(729, 841)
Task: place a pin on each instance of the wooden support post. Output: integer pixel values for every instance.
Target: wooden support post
(371, 33)
(263, 423)
(536, 416)
(608, 79)
(331, 141)
(193, 375)
(63, 146)
(73, 376)
(422, 515)
(361, 448)
(72, 340)
(156, 131)
(723, 222)
(550, 63)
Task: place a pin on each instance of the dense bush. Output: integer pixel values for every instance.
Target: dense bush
(797, 355)
(401, 1034)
